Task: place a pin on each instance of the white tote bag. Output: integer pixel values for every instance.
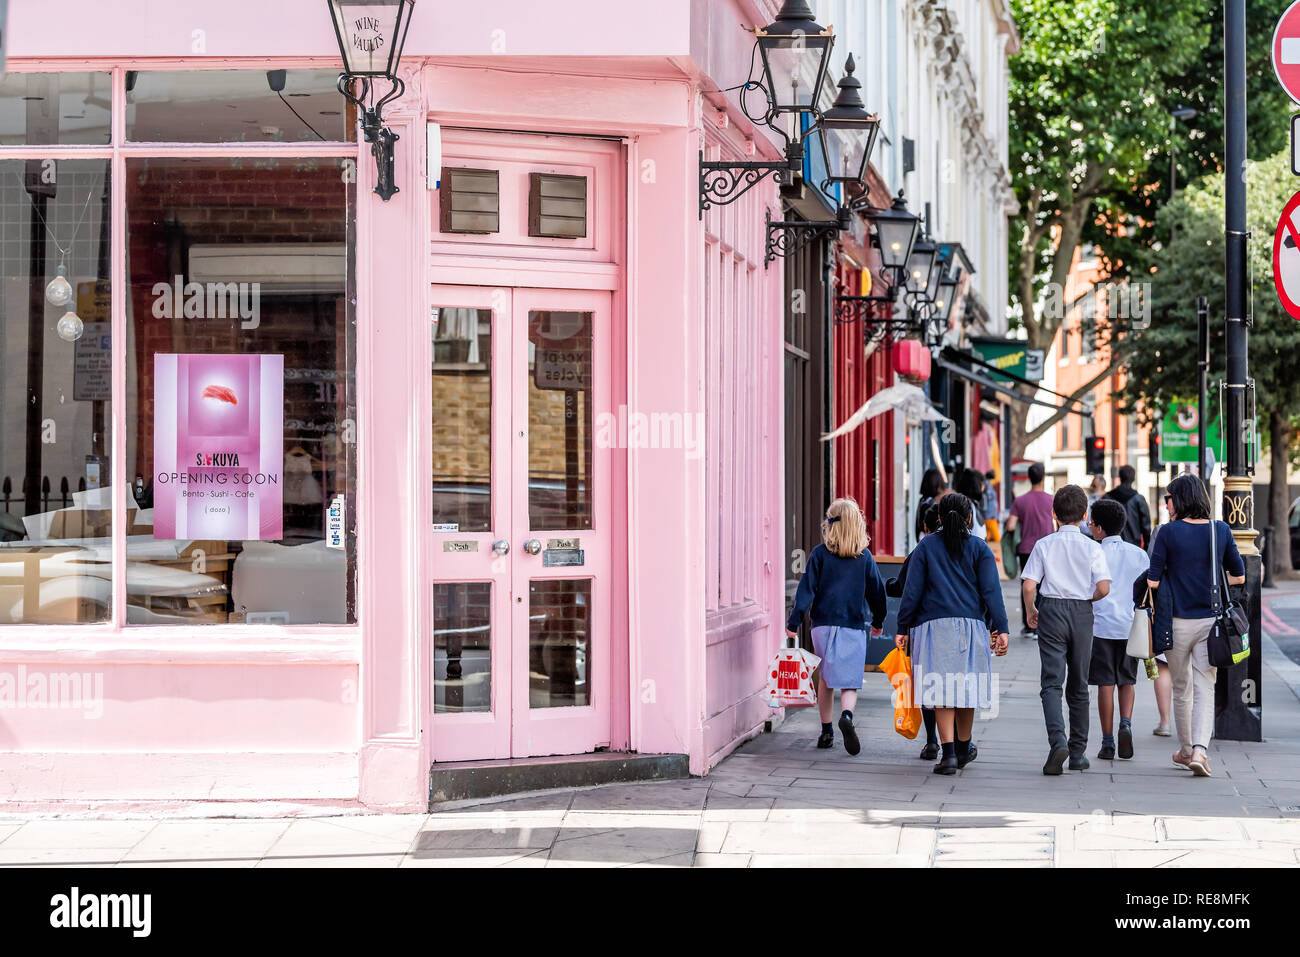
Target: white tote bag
(1139, 633)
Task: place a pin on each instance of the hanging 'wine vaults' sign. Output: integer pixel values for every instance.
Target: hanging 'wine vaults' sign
(218, 446)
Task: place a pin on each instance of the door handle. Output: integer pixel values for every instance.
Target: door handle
(532, 546)
(500, 547)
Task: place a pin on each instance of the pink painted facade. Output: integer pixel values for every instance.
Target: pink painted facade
(684, 549)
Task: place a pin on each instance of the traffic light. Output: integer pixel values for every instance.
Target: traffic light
(1153, 450)
(1095, 455)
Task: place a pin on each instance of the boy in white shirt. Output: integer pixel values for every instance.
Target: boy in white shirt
(1112, 618)
(1065, 573)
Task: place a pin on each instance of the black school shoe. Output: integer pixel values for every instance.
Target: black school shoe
(1056, 761)
(1107, 753)
(971, 753)
(1126, 743)
(1081, 763)
(851, 743)
(826, 739)
(947, 765)
(929, 752)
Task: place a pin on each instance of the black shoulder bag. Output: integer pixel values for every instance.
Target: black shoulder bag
(1229, 641)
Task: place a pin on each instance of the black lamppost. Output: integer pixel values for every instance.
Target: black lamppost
(371, 34)
(1238, 693)
(794, 50)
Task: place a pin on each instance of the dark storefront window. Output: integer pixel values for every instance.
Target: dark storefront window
(235, 106)
(41, 109)
(242, 337)
(234, 336)
(55, 527)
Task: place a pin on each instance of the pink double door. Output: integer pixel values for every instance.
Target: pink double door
(520, 647)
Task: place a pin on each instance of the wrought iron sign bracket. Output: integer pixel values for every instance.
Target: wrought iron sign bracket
(852, 308)
(723, 182)
(786, 237)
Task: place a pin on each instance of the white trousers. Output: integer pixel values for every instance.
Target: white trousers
(1193, 676)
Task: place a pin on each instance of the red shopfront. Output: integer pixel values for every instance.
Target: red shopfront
(864, 458)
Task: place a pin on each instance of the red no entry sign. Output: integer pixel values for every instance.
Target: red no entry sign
(1286, 257)
(1286, 51)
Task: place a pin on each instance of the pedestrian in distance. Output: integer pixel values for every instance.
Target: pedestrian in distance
(1065, 574)
(1181, 577)
(991, 532)
(1032, 514)
(1137, 527)
(971, 484)
(1096, 491)
(839, 583)
(934, 486)
(894, 589)
(951, 594)
(1163, 685)
(1111, 667)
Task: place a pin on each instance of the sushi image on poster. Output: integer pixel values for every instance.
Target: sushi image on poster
(218, 446)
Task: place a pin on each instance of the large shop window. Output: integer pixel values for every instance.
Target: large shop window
(224, 313)
(241, 396)
(55, 550)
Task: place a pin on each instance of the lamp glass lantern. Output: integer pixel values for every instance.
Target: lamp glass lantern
(896, 230)
(848, 132)
(938, 269)
(371, 34)
(920, 266)
(944, 301)
(795, 49)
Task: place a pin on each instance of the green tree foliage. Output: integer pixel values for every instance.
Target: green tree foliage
(1161, 359)
(1196, 144)
(1088, 114)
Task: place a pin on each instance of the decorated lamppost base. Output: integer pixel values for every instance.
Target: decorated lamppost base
(1237, 691)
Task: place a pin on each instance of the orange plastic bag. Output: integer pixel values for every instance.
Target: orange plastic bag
(907, 717)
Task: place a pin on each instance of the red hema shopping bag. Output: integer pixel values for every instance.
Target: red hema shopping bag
(789, 679)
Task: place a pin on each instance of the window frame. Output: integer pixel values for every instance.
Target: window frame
(336, 637)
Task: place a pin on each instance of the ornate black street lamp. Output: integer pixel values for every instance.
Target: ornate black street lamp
(371, 34)
(794, 50)
(847, 133)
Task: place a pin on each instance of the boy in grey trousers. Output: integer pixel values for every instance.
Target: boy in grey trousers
(1065, 574)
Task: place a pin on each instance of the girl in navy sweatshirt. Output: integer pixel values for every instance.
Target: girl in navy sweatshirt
(953, 617)
(840, 581)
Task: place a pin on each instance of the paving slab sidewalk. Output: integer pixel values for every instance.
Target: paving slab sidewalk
(780, 802)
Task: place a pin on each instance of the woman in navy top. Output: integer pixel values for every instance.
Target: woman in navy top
(841, 580)
(952, 587)
(1182, 574)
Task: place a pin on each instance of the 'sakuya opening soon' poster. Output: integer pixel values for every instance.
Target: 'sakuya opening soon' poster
(218, 446)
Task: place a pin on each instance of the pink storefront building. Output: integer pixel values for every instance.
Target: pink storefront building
(308, 493)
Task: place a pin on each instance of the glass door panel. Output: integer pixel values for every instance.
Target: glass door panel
(559, 419)
(469, 625)
(561, 506)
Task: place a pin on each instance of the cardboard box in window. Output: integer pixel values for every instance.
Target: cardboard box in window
(73, 523)
(210, 556)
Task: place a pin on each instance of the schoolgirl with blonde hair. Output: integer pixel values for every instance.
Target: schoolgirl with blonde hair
(844, 530)
(839, 583)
